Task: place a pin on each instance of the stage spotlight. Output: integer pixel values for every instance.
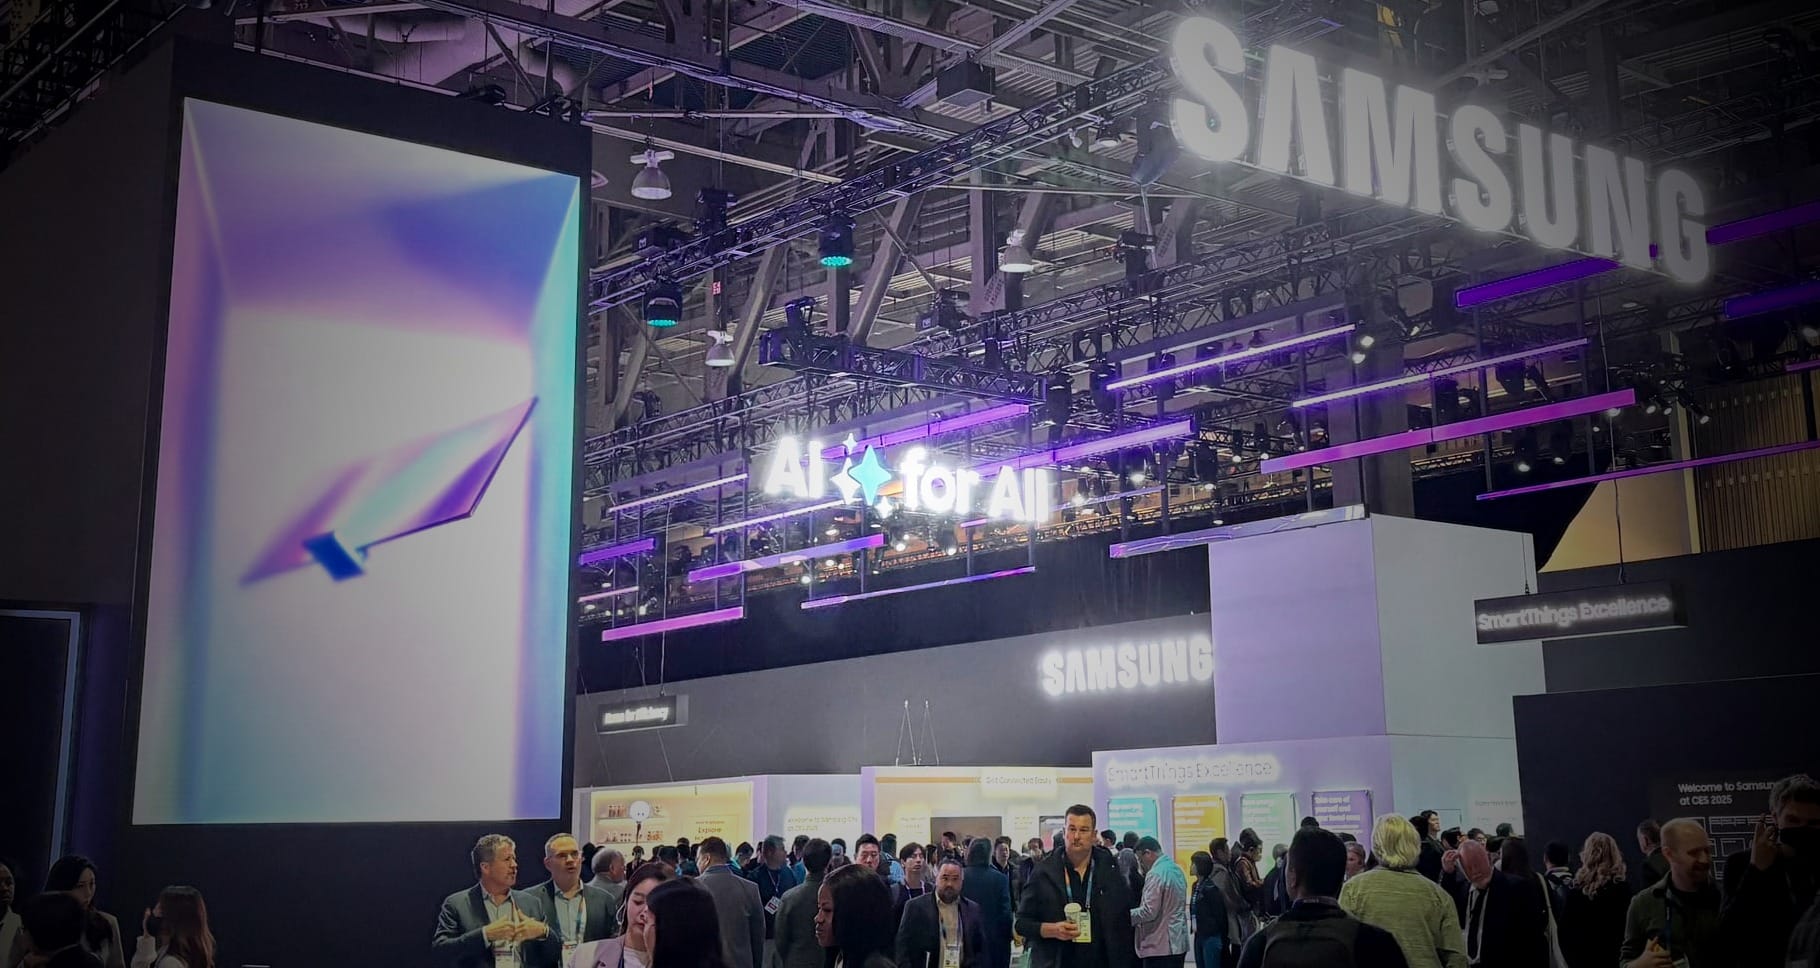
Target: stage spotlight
(1526, 451)
(1260, 438)
(1133, 249)
(807, 579)
(651, 183)
(1099, 374)
(1206, 378)
(1809, 331)
(1016, 259)
(663, 304)
(835, 244)
(944, 312)
(799, 313)
(1165, 389)
(833, 531)
(1699, 413)
(711, 205)
(1106, 136)
(950, 546)
(720, 348)
(1058, 399)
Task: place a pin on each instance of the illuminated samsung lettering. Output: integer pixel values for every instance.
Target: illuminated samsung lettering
(1391, 150)
(926, 483)
(1127, 666)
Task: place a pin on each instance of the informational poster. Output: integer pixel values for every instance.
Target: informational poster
(1196, 820)
(1136, 815)
(1272, 816)
(1727, 803)
(1487, 813)
(909, 801)
(825, 822)
(627, 817)
(1344, 812)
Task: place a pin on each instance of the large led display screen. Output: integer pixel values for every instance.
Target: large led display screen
(363, 522)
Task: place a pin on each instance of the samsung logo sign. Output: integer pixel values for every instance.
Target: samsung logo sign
(1127, 666)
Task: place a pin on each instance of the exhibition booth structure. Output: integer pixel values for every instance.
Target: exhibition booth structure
(920, 803)
(738, 810)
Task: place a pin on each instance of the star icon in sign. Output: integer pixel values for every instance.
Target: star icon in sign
(845, 482)
(871, 474)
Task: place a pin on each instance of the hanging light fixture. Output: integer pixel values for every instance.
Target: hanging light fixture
(663, 304)
(651, 183)
(1106, 136)
(1016, 259)
(835, 244)
(720, 348)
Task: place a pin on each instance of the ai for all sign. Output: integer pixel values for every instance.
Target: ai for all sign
(927, 483)
(1564, 196)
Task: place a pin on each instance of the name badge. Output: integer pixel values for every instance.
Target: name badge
(951, 956)
(1084, 921)
(772, 905)
(568, 953)
(505, 954)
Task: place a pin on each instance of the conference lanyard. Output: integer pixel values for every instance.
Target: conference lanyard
(1087, 900)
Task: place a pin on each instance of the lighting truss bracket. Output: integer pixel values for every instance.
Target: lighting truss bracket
(809, 352)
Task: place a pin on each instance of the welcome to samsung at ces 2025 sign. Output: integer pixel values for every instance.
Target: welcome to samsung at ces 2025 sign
(1390, 150)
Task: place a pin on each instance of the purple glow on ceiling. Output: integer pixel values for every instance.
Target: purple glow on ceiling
(1530, 281)
(934, 428)
(925, 586)
(1802, 365)
(728, 569)
(1758, 303)
(779, 516)
(1411, 379)
(637, 629)
(679, 492)
(1524, 417)
(596, 555)
(1679, 465)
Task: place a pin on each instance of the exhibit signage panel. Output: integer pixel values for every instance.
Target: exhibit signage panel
(1344, 812)
(1197, 820)
(1398, 148)
(624, 717)
(626, 817)
(1608, 610)
(1272, 816)
(1134, 814)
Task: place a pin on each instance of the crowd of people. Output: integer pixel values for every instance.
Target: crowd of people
(60, 927)
(1420, 896)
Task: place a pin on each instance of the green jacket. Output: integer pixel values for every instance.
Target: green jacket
(1414, 910)
(1687, 924)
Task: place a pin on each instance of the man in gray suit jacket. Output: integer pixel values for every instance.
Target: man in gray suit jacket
(742, 916)
(490, 922)
(578, 912)
(794, 938)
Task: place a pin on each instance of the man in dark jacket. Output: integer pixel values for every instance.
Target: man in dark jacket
(991, 890)
(1505, 917)
(1770, 886)
(1654, 866)
(1315, 931)
(1676, 922)
(943, 929)
(1082, 874)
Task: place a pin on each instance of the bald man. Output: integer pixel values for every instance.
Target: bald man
(1676, 920)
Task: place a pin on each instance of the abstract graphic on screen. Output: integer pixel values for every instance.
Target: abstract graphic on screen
(358, 603)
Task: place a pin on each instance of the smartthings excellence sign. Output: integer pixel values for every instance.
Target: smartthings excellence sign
(1591, 611)
(1391, 150)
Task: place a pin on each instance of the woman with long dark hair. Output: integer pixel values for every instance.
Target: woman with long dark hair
(75, 875)
(1208, 910)
(853, 919)
(1592, 920)
(681, 927)
(174, 933)
(629, 946)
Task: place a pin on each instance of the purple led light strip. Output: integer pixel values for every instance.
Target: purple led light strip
(1410, 379)
(779, 516)
(596, 555)
(1803, 365)
(1090, 502)
(1757, 303)
(1679, 465)
(934, 428)
(614, 593)
(1525, 417)
(925, 586)
(1736, 231)
(637, 629)
(1233, 357)
(727, 569)
(679, 492)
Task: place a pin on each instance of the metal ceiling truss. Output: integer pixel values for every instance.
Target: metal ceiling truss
(837, 355)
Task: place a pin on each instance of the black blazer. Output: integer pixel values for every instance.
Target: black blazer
(1516, 920)
(459, 941)
(919, 935)
(602, 919)
(991, 890)
(1047, 893)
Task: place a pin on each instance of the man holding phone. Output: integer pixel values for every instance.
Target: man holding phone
(1770, 886)
(1675, 922)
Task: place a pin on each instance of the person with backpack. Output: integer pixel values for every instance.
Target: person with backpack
(1315, 932)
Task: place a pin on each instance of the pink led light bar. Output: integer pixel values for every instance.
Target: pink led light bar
(779, 516)
(728, 569)
(1411, 379)
(679, 492)
(935, 428)
(925, 586)
(1803, 365)
(1679, 465)
(1233, 357)
(637, 629)
(1510, 420)
(1088, 448)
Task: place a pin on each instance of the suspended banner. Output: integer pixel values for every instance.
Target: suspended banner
(1608, 610)
(1564, 195)
(923, 482)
